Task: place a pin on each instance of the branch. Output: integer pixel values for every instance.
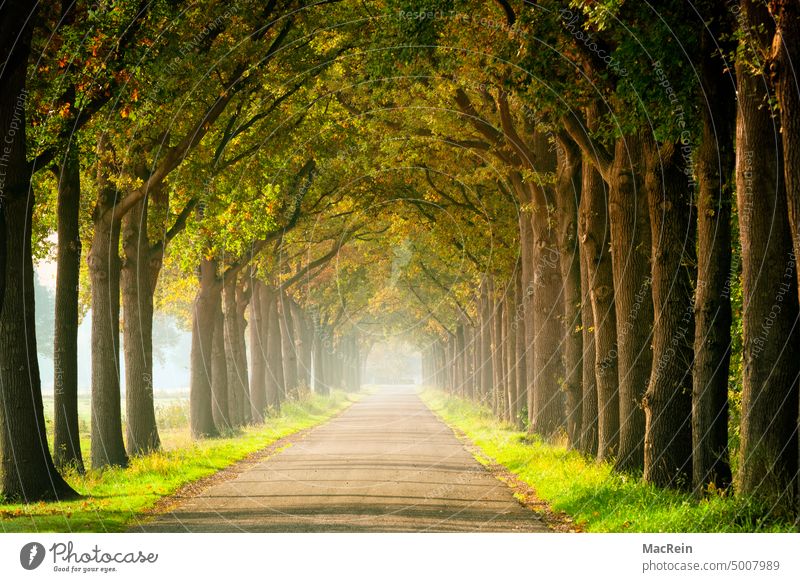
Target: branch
(577, 129)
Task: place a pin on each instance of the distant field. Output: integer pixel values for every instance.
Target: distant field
(172, 417)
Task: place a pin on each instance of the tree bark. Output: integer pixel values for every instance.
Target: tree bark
(237, 372)
(138, 276)
(588, 431)
(104, 270)
(258, 356)
(568, 194)
(66, 437)
(668, 401)
(712, 310)
(288, 345)
(220, 410)
(203, 320)
(595, 243)
(768, 437)
(548, 404)
(630, 251)
(27, 472)
(275, 380)
(520, 415)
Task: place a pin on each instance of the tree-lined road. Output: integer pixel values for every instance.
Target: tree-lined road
(387, 464)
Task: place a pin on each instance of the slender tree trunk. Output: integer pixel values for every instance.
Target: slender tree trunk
(288, 345)
(104, 265)
(498, 363)
(595, 243)
(486, 371)
(768, 431)
(27, 472)
(588, 432)
(712, 310)
(258, 358)
(510, 353)
(520, 355)
(137, 288)
(630, 249)
(243, 292)
(303, 346)
(568, 193)
(668, 401)
(66, 441)
(203, 319)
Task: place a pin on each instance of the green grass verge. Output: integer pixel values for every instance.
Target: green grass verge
(598, 499)
(115, 497)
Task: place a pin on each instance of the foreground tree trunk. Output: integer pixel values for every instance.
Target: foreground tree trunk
(668, 401)
(203, 319)
(547, 302)
(104, 269)
(601, 408)
(237, 370)
(768, 432)
(66, 437)
(27, 472)
(568, 194)
(712, 310)
(219, 369)
(138, 287)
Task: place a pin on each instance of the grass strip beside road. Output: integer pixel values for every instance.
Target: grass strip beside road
(591, 493)
(115, 497)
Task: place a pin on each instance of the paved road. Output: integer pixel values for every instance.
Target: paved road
(387, 464)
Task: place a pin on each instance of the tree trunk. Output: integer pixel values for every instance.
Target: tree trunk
(237, 371)
(66, 438)
(243, 292)
(768, 437)
(303, 346)
(547, 302)
(258, 356)
(104, 265)
(486, 371)
(220, 410)
(712, 310)
(595, 241)
(668, 401)
(138, 287)
(630, 251)
(27, 472)
(288, 345)
(568, 193)
(588, 430)
(520, 415)
(275, 380)
(510, 353)
(203, 319)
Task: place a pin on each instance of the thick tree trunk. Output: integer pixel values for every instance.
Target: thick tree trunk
(104, 266)
(712, 310)
(303, 346)
(548, 405)
(668, 401)
(243, 292)
(138, 286)
(568, 193)
(27, 472)
(595, 241)
(258, 356)
(203, 319)
(630, 249)
(768, 432)
(66, 437)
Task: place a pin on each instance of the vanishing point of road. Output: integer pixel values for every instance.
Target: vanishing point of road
(386, 464)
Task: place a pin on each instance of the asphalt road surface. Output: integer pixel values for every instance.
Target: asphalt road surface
(386, 464)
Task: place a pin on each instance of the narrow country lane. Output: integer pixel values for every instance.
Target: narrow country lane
(387, 464)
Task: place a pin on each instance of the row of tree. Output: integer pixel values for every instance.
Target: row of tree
(583, 213)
